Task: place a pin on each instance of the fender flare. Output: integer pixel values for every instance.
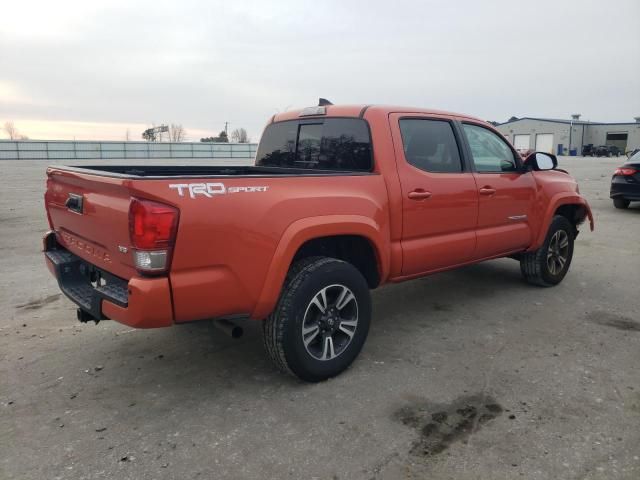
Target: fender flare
(558, 200)
(305, 229)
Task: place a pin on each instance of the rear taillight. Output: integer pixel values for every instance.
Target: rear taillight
(625, 171)
(153, 227)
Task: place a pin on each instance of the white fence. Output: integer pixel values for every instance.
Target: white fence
(83, 150)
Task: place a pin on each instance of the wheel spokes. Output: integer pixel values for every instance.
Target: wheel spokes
(327, 351)
(309, 334)
(558, 252)
(320, 300)
(561, 261)
(344, 329)
(346, 296)
(565, 242)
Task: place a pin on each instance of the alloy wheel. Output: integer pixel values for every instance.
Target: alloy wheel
(558, 252)
(330, 322)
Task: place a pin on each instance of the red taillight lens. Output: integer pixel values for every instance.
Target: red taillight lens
(625, 171)
(152, 225)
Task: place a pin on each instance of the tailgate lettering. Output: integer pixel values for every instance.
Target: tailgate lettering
(74, 243)
(211, 189)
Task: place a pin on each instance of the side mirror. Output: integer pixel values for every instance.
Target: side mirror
(541, 161)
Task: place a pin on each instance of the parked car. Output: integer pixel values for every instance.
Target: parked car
(615, 151)
(588, 150)
(625, 183)
(607, 151)
(341, 200)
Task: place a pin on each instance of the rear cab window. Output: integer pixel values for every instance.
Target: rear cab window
(342, 144)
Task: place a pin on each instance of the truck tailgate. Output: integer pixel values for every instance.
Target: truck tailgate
(90, 215)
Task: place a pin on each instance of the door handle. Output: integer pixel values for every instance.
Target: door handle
(419, 194)
(487, 190)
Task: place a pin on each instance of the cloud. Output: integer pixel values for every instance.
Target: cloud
(202, 63)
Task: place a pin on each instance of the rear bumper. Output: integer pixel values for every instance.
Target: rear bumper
(623, 188)
(139, 302)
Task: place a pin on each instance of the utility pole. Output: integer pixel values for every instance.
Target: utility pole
(226, 128)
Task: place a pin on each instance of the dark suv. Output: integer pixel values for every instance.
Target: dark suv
(587, 150)
(606, 151)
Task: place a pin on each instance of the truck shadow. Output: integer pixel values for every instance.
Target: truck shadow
(456, 290)
(196, 360)
(199, 347)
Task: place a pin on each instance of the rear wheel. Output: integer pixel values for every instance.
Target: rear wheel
(621, 203)
(321, 321)
(548, 265)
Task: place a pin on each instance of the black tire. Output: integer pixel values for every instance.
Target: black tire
(283, 329)
(535, 266)
(621, 203)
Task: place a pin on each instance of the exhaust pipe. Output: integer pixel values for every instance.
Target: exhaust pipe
(228, 327)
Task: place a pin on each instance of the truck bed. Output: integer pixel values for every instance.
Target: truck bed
(200, 171)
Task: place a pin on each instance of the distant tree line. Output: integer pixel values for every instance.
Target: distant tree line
(239, 135)
(221, 138)
(175, 131)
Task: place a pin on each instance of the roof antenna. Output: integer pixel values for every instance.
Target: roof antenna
(323, 102)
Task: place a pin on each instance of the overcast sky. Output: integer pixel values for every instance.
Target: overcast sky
(93, 69)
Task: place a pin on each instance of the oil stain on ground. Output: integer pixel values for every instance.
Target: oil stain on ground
(439, 426)
(39, 303)
(613, 320)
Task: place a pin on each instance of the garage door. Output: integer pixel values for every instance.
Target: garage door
(544, 142)
(618, 140)
(521, 142)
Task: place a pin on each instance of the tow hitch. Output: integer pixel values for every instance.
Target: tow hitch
(85, 317)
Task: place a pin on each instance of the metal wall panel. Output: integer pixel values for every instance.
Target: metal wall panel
(9, 146)
(32, 146)
(32, 155)
(61, 150)
(107, 146)
(60, 146)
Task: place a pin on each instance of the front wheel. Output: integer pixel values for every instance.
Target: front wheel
(321, 321)
(548, 265)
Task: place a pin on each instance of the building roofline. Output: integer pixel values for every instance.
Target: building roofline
(568, 122)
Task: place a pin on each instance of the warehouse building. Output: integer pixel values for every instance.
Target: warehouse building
(566, 137)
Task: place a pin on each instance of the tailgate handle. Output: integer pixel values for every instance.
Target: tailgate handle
(74, 203)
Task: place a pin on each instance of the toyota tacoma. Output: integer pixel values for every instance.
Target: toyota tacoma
(341, 200)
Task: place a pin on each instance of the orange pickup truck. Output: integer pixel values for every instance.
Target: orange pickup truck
(341, 200)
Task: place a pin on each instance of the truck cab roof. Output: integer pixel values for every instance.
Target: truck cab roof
(363, 109)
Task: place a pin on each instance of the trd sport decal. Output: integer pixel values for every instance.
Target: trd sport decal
(211, 189)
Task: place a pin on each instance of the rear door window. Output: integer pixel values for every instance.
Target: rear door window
(430, 145)
(325, 144)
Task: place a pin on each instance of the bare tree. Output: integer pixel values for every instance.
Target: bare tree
(11, 130)
(239, 135)
(177, 133)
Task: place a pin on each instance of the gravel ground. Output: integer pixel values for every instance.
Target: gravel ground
(466, 374)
